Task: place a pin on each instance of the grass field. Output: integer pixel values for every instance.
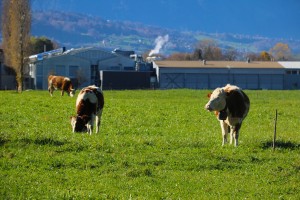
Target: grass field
(155, 144)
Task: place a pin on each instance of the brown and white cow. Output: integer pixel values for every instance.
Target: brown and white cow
(89, 107)
(62, 83)
(231, 106)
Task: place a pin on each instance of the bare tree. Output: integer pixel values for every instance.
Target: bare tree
(230, 54)
(16, 22)
(180, 56)
(209, 49)
(251, 56)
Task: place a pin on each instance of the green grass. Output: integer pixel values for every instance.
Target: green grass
(158, 144)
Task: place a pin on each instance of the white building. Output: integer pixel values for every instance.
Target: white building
(81, 65)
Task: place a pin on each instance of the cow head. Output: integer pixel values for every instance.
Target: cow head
(217, 100)
(79, 123)
(72, 92)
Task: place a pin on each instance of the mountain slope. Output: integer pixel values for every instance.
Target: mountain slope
(77, 30)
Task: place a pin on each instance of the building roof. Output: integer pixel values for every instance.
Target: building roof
(85, 49)
(84, 52)
(222, 64)
(290, 64)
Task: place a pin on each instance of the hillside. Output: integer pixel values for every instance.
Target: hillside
(77, 30)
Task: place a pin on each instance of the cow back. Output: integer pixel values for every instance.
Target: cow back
(56, 81)
(50, 78)
(90, 100)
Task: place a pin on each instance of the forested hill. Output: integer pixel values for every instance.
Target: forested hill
(76, 30)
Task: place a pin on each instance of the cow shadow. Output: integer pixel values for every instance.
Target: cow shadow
(281, 145)
(3, 141)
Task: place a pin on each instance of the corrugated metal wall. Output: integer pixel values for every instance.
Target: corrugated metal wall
(120, 80)
(255, 79)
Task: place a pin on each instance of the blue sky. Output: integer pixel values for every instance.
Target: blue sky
(268, 18)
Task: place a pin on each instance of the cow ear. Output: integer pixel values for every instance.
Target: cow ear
(216, 113)
(72, 118)
(209, 95)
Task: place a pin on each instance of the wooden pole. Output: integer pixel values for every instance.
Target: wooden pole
(274, 137)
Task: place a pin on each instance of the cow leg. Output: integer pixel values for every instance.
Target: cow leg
(62, 92)
(98, 121)
(224, 128)
(50, 89)
(89, 129)
(231, 133)
(90, 125)
(236, 134)
(236, 138)
(73, 123)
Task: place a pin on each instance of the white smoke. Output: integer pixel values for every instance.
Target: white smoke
(160, 41)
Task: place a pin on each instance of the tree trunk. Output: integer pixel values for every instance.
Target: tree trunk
(20, 84)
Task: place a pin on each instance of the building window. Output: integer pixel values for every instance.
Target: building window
(293, 72)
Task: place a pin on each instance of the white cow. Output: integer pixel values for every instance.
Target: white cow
(89, 107)
(231, 106)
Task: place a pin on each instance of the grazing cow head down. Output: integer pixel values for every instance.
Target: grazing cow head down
(89, 106)
(79, 123)
(72, 92)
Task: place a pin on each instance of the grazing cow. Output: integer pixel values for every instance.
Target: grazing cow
(62, 83)
(231, 106)
(89, 106)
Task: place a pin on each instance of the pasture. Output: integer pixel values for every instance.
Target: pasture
(153, 144)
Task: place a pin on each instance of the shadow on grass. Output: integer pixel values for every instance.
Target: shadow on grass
(3, 139)
(281, 145)
(43, 141)
(48, 141)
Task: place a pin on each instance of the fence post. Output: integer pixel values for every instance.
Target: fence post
(274, 137)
